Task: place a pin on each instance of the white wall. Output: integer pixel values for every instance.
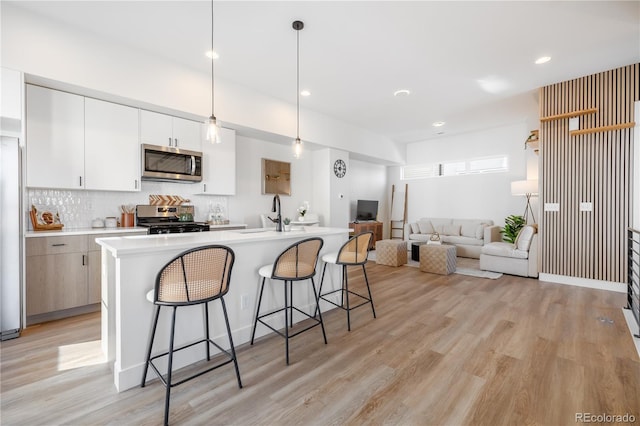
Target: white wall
(249, 202)
(369, 182)
(635, 184)
(482, 196)
(89, 62)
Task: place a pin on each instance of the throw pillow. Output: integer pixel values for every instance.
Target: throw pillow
(438, 224)
(480, 231)
(523, 240)
(468, 230)
(425, 227)
(451, 230)
(415, 229)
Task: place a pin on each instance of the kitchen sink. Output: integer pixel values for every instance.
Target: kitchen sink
(252, 230)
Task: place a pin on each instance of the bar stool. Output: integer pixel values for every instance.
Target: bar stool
(295, 263)
(194, 277)
(354, 252)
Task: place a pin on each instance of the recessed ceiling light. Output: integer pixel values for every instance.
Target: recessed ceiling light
(401, 92)
(543, 60)
(305, 93)
(438, 124)
(211, 54)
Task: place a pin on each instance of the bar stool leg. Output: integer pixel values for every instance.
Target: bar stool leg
(286, 322)
(291, 308)
(345, 279)
(206, 326)
(366, 280)
(151, 339)
(342, 284)
(170, 365)
(255, 323)
(233, 350)
(324, 268)
(313, 286)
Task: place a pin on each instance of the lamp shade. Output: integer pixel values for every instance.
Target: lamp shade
(524, 187)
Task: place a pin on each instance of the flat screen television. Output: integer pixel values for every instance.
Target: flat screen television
(366, 210)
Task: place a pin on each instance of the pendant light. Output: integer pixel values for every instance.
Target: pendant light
(297, 143)
(213, 131)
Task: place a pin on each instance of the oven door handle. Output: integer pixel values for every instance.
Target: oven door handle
(193, 165)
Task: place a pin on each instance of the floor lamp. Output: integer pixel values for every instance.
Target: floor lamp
(528, 188)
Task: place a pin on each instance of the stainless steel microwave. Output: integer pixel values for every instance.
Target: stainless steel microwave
(171, 164)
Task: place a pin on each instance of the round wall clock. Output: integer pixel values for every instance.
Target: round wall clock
(339, 168)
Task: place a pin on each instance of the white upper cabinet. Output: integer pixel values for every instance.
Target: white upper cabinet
(54, 139)
(112, 150)
(187, 134)
(165, 130)
(219, 165)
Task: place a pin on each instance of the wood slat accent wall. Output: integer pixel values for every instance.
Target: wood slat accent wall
(591, 167)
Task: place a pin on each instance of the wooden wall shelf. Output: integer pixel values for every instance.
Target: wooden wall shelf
(602, 128)
(569, 114)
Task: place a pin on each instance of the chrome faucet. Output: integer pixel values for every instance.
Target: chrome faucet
(278, 219)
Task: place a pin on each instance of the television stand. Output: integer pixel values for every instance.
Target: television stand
(368, 225)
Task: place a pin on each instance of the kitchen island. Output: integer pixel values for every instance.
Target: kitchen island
(129, 268)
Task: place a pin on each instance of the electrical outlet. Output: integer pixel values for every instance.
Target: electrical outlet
(244, 302)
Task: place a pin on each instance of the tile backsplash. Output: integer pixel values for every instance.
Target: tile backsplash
(78, 208)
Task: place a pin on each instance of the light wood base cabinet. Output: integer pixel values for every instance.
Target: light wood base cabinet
(55, 282)
(63, 276)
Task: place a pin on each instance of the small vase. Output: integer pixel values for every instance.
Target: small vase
(287, 228)
(300, 218)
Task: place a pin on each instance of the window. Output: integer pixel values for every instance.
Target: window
(455, 168)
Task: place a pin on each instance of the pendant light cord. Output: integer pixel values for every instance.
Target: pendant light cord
(298, 84)
(212, 58)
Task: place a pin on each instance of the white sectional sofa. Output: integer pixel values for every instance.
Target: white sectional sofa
(519, 258)
(468, 235)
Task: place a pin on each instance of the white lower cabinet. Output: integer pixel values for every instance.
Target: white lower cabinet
(219, 165)
(112, 152)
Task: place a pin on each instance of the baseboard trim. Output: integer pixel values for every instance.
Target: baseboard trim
(584, 282)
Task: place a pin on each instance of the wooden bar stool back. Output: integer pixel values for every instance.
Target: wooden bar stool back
(295, 263)
(196, 276)
(352, 253)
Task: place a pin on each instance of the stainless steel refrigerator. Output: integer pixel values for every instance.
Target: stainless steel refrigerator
(10, 238)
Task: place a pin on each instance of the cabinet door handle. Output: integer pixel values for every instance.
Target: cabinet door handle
(135, 184)
(176, 142)
(170, 142)
(84, 260)
(58, 244)
(205, 187)
(80, 180)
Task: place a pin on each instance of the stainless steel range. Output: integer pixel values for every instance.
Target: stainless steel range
(168, 219)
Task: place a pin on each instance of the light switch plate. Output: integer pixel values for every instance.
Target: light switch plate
(586, 207)
(574, 123)
(551, 207)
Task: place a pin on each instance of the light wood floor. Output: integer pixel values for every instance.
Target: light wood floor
(443, 350)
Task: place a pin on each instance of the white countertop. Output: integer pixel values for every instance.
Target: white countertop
(83, 231)
(228, 225)
(137, 244)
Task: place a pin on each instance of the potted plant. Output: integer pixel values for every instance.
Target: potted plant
(287, 224)
(512, 225)
(302, 210)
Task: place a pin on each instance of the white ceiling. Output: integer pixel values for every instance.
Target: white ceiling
(354, 55)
